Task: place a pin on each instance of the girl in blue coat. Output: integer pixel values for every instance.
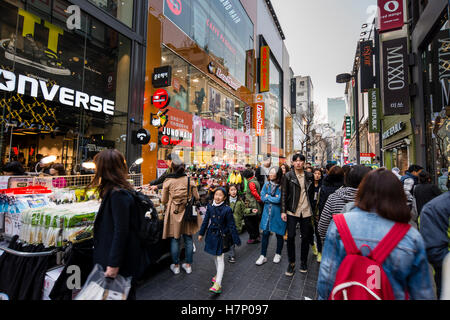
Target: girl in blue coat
(271, 218)
(218, 221)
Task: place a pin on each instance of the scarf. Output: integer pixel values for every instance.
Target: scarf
(217, 204)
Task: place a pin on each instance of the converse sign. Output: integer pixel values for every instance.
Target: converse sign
(68, 97)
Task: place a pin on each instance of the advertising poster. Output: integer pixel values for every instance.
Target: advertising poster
(214, 102)
(178, 130)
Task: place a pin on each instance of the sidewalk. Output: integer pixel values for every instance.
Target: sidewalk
(243, 280)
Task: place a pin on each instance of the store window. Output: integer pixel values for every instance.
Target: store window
(120, 9)
(210, 121)
(62, 92)
(222, 28)
(437, 104)
(272, 141)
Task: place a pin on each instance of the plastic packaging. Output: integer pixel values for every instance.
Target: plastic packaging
(98, 287)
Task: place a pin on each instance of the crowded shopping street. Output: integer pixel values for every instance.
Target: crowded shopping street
(224, 157)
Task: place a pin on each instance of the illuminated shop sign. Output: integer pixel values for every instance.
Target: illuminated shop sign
(162, 77)
(248, 119)
(264, 76)
(160, 99)
(259, 118)
(212, 68)
(67, 96)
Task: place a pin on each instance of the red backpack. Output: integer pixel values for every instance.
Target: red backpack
(360, 277)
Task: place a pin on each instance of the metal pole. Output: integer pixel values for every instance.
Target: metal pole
(356, 106)
(378, 85)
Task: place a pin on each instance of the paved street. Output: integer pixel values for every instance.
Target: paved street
(243, 280)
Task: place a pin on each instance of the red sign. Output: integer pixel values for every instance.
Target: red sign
(368, 155)
(175, 6)
(391, 14)
(165, 140)
(160, 99)
(264, 81)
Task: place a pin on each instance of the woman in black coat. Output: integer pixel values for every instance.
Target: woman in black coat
(116, 247)
(333, 181)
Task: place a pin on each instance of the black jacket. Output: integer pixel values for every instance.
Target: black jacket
(115, 242)
(290, 190)
(425, 193)
(311, 192)
(329, 186)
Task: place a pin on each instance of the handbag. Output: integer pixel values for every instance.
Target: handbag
(227, 241)
(190, 214)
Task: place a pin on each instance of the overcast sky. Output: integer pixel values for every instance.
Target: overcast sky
(321, 37)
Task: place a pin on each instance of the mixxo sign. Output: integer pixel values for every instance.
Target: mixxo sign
(396, 77)
(11, 83)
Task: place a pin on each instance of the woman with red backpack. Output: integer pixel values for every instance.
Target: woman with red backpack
(372, 252)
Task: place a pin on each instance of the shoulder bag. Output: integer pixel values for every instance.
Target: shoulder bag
(190, 214)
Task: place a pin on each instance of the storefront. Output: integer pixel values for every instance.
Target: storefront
(67, 80)
(397, 142)
(208, 51)
(431, 41)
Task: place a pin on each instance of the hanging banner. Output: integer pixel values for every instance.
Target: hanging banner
(391, 15)
(248, 119)
(258, 118)
(441, 71)
(348, 127)
(264, 70)
(396, 78)
(250, 69)
(366, 58)
(374, 110)
(293, 96)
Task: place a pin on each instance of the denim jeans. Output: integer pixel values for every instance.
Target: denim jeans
(175, 249)
(265, 243)
(232, 252)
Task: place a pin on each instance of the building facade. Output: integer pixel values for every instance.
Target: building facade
(304, 111)
(336, 110)
(70, 79)
(430, 45)
(227, 82)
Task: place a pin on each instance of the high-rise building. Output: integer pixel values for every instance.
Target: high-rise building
(304, 103)
(336, 113)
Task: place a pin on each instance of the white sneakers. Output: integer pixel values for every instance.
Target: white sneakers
(277, 258)
(174, 269)
(186, 268)
(261, 260)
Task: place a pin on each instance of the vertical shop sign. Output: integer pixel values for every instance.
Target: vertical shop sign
(374, 110)
(250, 69)
(248, 119)
(396, 78)
(348, 127)
(441, 70)
(293, 96)
(391, 14)
(259, 116)
(264, 70)
(289, 136)
(366, 58)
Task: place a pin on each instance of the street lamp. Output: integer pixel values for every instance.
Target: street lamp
(136, 163)
(345, 78)
(46, 160)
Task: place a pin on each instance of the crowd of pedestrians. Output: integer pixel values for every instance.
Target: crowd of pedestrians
(340, 212)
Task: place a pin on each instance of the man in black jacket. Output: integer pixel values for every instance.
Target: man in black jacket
(296, 208)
